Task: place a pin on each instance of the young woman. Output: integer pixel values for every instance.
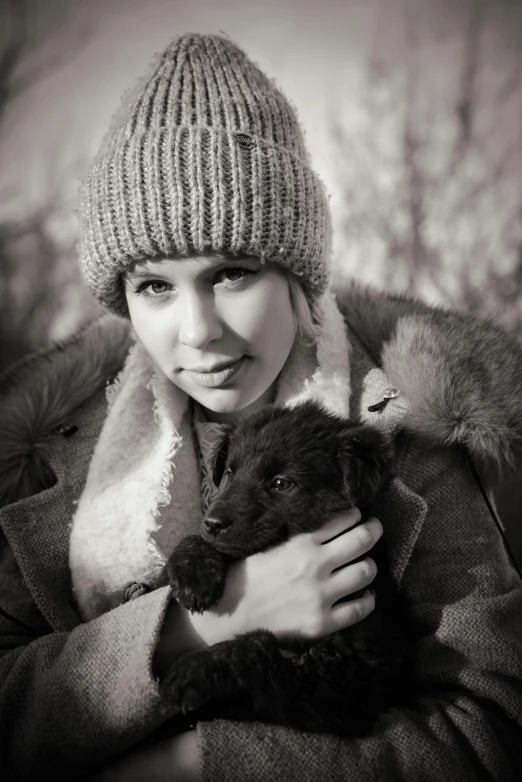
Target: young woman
(205, 229)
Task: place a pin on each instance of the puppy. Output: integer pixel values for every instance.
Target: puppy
(281, 472)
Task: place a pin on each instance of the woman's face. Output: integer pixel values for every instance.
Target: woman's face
(194, 315)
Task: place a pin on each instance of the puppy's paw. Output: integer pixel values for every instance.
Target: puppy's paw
(195, 602)
(197, 574)
(196, 679)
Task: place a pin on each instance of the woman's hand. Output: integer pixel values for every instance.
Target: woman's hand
(291, 589)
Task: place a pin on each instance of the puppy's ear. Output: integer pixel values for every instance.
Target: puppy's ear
(366, 461)
(220, 455)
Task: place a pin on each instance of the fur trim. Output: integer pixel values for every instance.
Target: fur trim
(39, 393)
(461, 376)
(116, 530)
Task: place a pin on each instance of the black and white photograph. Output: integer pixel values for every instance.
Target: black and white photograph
(261, 390)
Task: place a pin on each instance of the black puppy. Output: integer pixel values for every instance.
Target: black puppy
(282, 472)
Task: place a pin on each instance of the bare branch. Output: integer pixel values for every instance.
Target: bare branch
(32, 75)
(14, 50)
(465, 106)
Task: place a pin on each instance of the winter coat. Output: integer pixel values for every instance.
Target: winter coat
(73, 694)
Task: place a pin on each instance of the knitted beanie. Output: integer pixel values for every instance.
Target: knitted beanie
(205, 155)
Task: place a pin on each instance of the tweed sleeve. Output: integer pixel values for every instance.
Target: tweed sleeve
(68, 700)
(465, 722)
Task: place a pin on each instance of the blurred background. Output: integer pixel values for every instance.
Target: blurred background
(413, 117)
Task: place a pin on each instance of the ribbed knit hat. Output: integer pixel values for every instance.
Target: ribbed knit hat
(204, 155)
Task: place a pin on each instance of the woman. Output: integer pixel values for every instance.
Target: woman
(203, 224)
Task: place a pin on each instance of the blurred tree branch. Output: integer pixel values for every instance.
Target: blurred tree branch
(13, 50)
(430, 182)
(37, 267)
(468, 79)
(17, 72)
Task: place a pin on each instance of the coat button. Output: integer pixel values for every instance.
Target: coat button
(135, 590)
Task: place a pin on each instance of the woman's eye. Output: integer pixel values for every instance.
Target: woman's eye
(153, 288)
(232, 276)
(158, 287)
(281, 484)
(236, 274)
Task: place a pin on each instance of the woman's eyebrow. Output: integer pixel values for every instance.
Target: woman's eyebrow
(139, 273)
(148, 272)
(157, 270)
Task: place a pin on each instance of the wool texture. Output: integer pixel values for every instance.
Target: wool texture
(205, 155)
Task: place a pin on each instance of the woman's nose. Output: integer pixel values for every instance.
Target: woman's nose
(199, 322)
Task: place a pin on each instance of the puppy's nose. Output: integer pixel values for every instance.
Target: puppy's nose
(215, 526)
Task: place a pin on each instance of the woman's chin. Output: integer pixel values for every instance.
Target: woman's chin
(232, 399)
(222, 401)
(222, 404)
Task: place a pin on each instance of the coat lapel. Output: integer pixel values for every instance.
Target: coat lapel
(38, 528)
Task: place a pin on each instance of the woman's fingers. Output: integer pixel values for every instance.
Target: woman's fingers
(352, 611)
(353, 544)
(337, 526)
(350, 579)
(292, 589)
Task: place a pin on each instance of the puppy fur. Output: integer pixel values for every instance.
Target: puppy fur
(282, 472)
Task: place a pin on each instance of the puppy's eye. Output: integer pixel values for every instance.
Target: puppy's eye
(281, 484)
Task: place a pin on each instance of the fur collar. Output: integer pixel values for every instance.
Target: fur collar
(460, 376)
(38, 394)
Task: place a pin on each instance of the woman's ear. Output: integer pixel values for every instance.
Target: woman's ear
(220, 455)
(365, 458)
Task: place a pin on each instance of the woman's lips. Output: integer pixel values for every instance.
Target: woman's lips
(216, 379)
